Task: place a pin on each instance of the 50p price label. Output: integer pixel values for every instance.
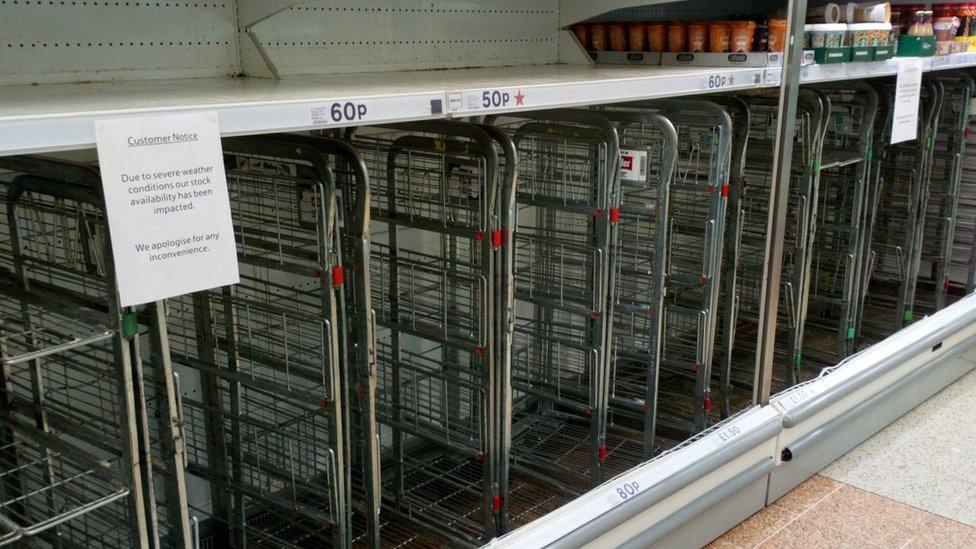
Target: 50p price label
(480, 100)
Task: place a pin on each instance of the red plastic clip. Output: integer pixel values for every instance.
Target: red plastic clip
(725, 190)
(945, 285)
(479, 457)
(702, 280)
(709, 188)
(695, 366)
(594, 314)
(338, 275)
(479, 236)
(496, 239)
(323, 404)
(588, 412)
(614, 215)
(496, 504)
(603, 452)
(479, 350)
(598, 213)
(708, 403)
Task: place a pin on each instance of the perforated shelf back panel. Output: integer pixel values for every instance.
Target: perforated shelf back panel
(325, 37)
(72, 41)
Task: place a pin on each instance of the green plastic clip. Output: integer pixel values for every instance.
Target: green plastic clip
(130, 324)
(797, 359)
(870, 154)
(928, 143)
(816, 166)
(909, 315)
(850, 333)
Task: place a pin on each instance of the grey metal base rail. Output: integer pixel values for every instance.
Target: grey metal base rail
(690, 495)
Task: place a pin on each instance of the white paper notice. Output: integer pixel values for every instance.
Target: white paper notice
(904, 124)
(167, 205)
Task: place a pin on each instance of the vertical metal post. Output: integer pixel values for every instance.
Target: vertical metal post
(778, 196)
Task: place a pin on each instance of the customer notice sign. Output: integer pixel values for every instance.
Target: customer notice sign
(167, 205)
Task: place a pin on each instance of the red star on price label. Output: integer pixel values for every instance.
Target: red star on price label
(519, 98)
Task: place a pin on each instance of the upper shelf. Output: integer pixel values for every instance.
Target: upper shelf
(55, 117)
(51, 117)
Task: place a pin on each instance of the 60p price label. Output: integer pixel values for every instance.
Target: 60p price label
(717, 81)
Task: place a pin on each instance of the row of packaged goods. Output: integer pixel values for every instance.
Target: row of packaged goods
(444, 329)
(833, 33)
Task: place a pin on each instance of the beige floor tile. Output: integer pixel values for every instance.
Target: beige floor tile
(807, 533)
(758, 527)
(807, 494)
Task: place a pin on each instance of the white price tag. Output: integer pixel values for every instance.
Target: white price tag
(167, 205)
(727, 434)
(358, 111)
(633, 165)
(772, 76)
(487, 99)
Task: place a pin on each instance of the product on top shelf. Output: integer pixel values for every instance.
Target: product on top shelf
(618, 36)
(697, 37)
(742, 36)
(921, 24)
(868, 34)
(829, 13)
(824, 35)
(598, 37)
(777, 34)
(655, 37)
(719, 36)
(871, 12)
(677, 37)
(945, 27)
(637, 36)
(582, 32)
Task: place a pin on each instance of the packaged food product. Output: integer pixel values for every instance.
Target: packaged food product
(655, 36)
(828, 13)
(824, 35)
(582, 32)
(677, 37)
(921, 24)
(719, 36)
(742, 36)
(637, 36)
(777, 34)
(868, 34)
(760, 40)
(618, 36)
(870, 12)
(697, 37)
(945, 28)
(598, 37)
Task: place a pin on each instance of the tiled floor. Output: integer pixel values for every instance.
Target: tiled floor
(911, 485)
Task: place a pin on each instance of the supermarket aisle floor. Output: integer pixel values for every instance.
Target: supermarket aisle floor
(911, 485)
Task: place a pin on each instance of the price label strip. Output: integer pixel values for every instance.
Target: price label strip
(488, 99)
(348, 112)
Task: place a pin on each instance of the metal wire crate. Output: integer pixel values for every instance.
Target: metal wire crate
(896, 205)
(270, 365)
(696, 225)
(948, 147)
(962, 271)
(568, 205)
(441, 282)
(74, 361)
(839, 250)
(744, 260)
(649, 154)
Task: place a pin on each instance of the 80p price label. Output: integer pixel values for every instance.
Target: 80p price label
(624, 491)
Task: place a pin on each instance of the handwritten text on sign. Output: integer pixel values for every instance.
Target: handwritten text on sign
(167, 205)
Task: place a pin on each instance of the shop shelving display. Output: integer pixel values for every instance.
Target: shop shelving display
(492, 290)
